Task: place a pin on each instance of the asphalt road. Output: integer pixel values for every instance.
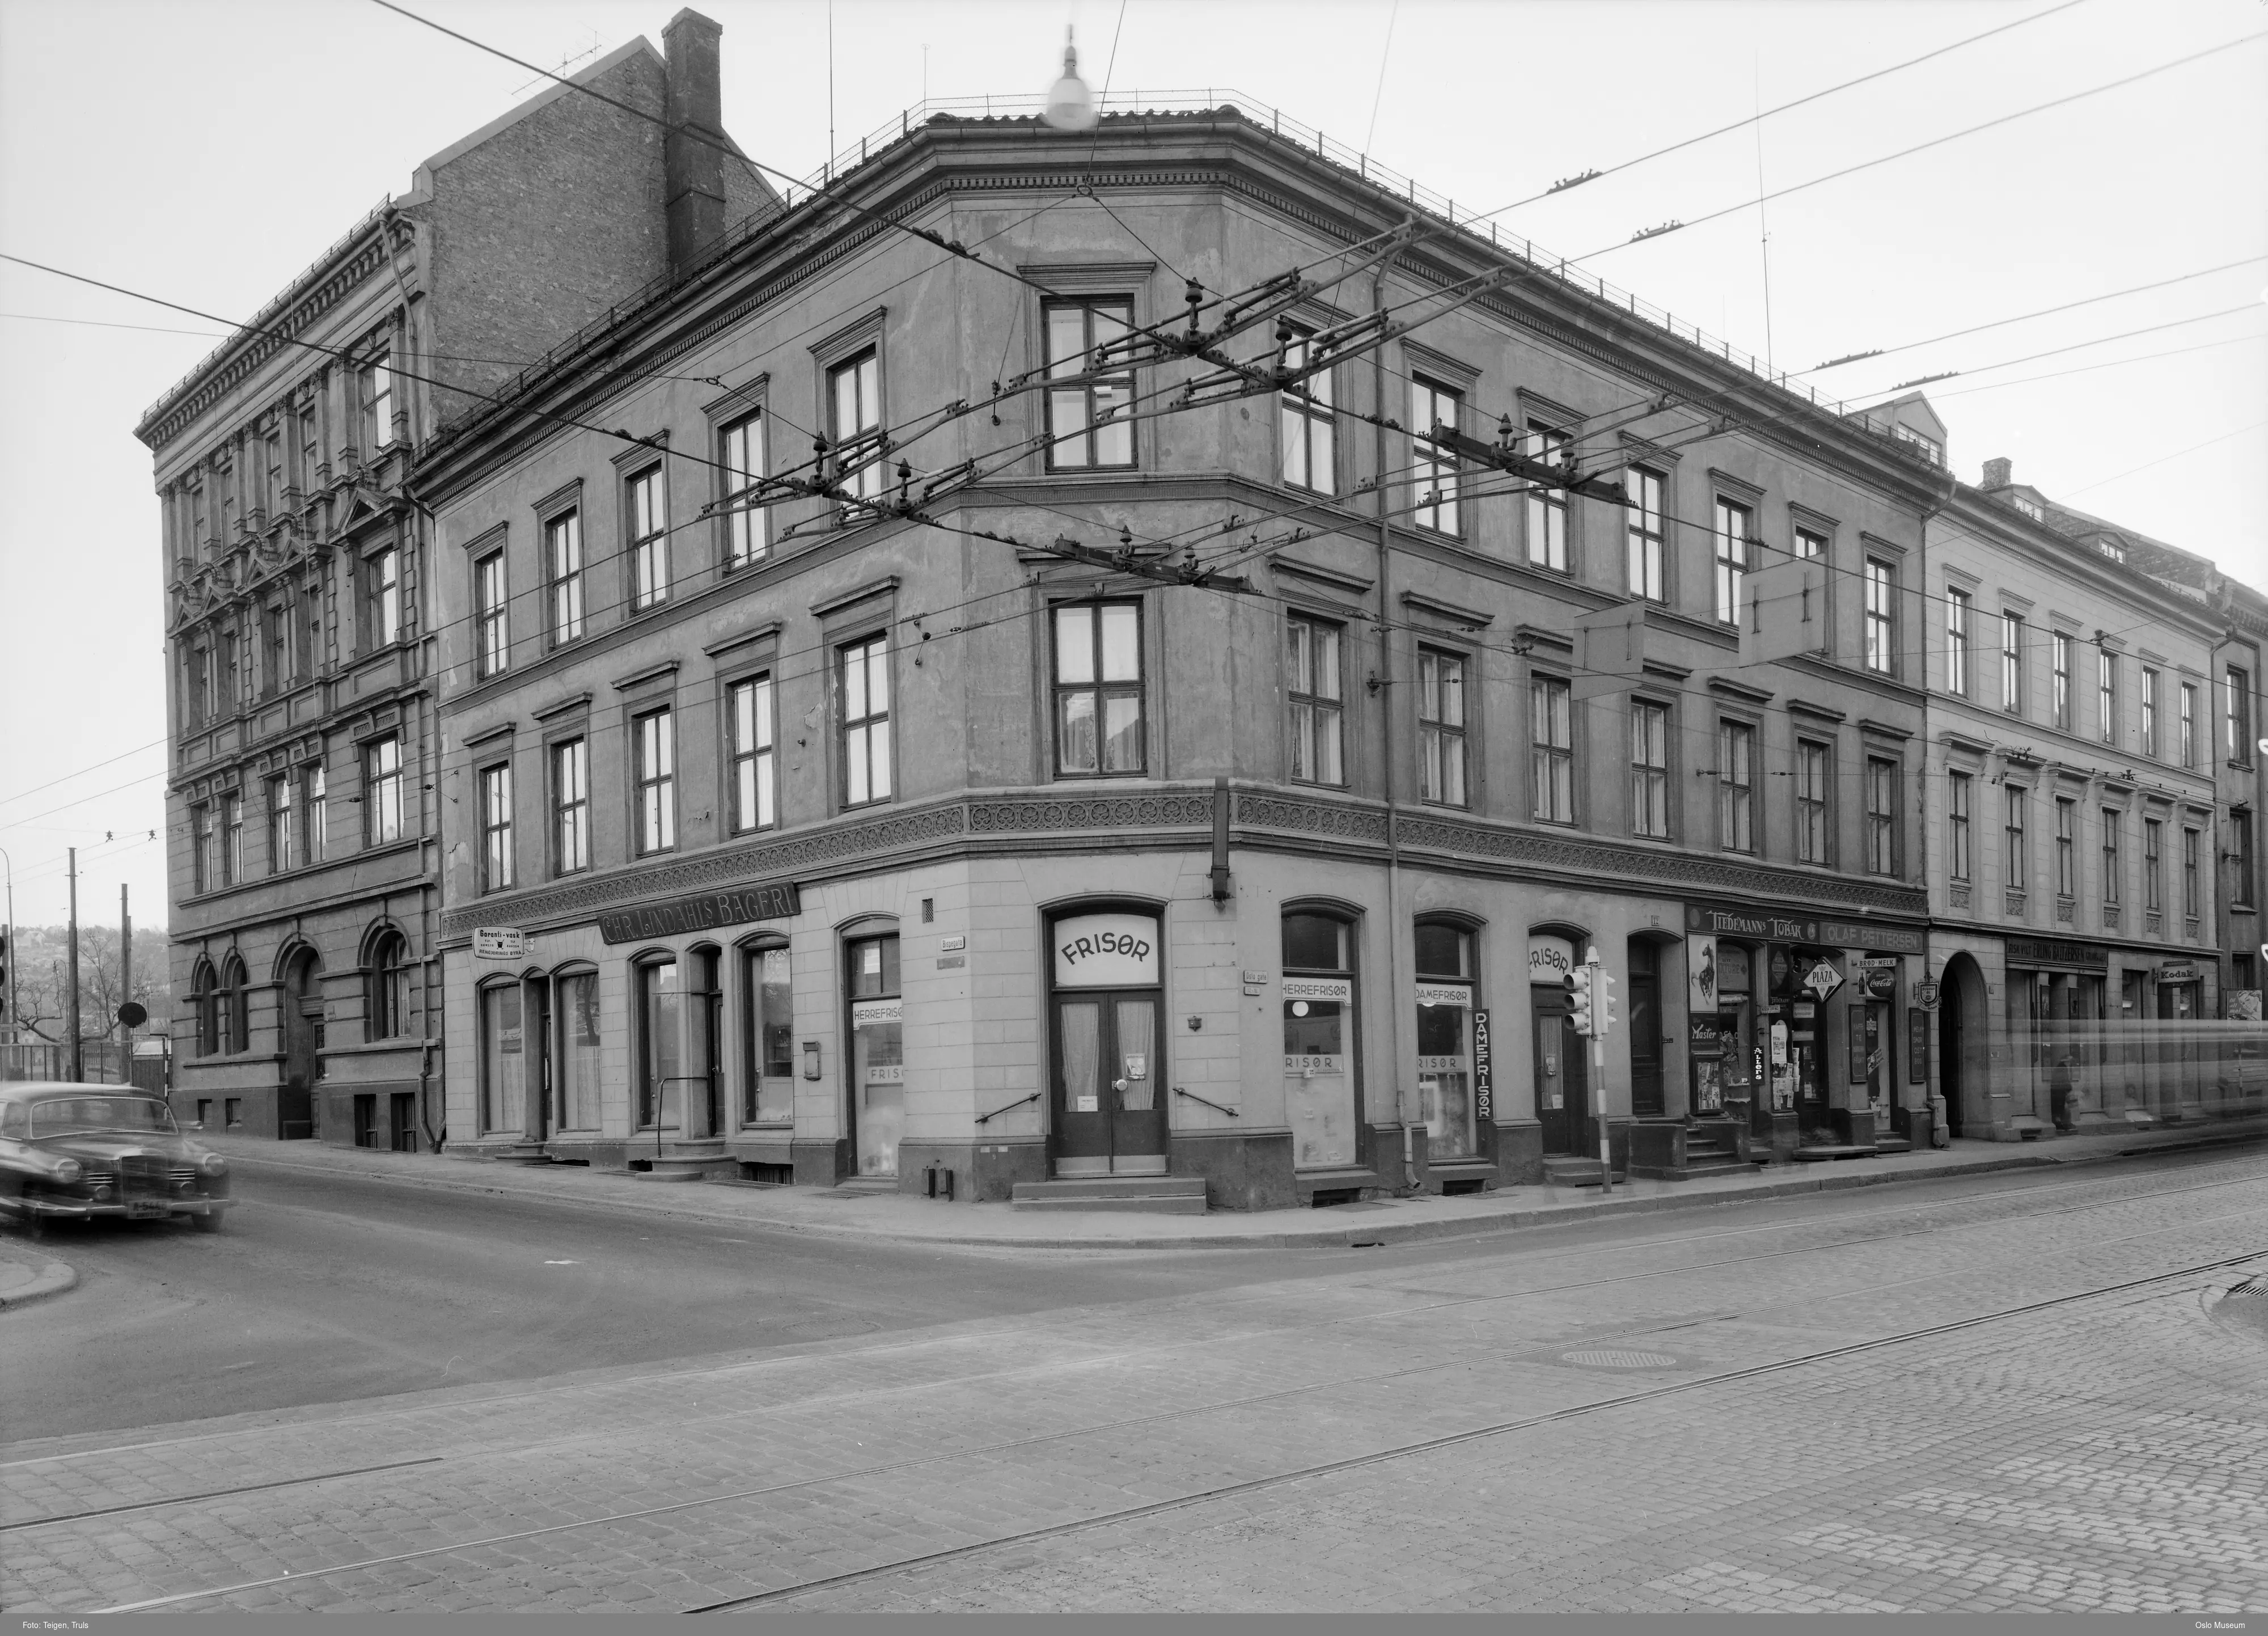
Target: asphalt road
(331, 1289)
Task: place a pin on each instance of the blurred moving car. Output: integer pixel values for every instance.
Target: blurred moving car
(76, 1152)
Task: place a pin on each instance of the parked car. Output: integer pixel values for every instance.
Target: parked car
(71, 1153)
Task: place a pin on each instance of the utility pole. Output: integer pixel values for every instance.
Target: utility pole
(77, 1054)
(125, 985)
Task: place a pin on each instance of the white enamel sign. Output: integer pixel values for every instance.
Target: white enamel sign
(1106, 952)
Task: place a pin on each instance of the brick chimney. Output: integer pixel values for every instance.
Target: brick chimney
(693, 152)
(1999, 474)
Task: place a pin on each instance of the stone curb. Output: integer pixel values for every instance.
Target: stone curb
(1333, 1237)
(52, 1278)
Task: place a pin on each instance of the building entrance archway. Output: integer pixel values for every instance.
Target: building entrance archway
(298, 1108)
(1964, 1040)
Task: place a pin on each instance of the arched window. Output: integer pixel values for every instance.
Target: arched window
(503, 1060)
(204, 992)
(767, 1034)
(386, 1005)
(236, 1007)
(659, 1004)
(577, 1008)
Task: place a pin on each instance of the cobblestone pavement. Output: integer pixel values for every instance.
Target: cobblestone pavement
(1695, 1415)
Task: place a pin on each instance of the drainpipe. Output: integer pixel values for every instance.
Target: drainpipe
(1933, 1090)
(1384, 685)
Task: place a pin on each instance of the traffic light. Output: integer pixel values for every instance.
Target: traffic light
(1579, 992)
(1604, 999)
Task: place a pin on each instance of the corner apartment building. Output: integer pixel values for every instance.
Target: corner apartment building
(872, 797)
(302, 811)
(2081, 820)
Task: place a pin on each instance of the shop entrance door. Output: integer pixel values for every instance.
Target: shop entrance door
(1109, 1115)
(541, 1119)
(296, 1104)
(1645, 1038)
(1562, 1076)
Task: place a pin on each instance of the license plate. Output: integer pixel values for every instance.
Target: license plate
(146, 1210)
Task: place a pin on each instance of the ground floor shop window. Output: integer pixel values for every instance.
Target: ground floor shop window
(660, 1015)
(579, 1050)
(878, 1070)
(768, 1025)
(1319, 1087)
(1445, 1041)
(504, 1061)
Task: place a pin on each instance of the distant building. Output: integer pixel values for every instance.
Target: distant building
(298, 565)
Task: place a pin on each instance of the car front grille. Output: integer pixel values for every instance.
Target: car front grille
(142, 1175)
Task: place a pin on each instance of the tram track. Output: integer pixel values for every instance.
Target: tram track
(1124, 1514)
(1396, 1314)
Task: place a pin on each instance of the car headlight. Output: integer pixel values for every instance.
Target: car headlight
(213, 1164)
(68, 1171)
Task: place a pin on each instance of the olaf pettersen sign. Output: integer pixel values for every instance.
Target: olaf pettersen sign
(705, 912)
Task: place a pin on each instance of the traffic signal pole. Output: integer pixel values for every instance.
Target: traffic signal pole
(1599, 1070)
(78, 1053)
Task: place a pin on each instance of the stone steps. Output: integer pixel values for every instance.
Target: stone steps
(1147, 1195)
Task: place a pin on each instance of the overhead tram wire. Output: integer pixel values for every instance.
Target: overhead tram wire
(1723, 130)
(1649, 235)
(1954, 334)
(2116, 363)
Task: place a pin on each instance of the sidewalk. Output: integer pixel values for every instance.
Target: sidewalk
(1385, 1222)
(26, 1275)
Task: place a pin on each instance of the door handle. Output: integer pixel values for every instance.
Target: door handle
(1119, 1086)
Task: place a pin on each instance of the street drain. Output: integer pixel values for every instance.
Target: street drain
(1619, 1358)
(2251, 1286)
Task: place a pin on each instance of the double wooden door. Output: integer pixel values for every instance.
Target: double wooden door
(1108, 1093)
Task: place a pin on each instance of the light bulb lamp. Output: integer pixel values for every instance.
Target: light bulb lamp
(1071, 105)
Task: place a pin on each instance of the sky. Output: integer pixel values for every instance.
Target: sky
(205, 152)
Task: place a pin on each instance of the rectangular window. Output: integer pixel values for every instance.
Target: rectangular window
(2106, 695)
(382, 594)
(272, 458)
(2149, 707)
(1647, 533)
(376, 404)
(2066, 847)
(275, 635)
(382, 791)
(854, 421)
(1957, 825)
(1316, 704)
(1440, 728)
(1433, 469)
(1089, 400)
(1099, 689)
(493, 650)
(1547, 508)
(2192, 896)
(1650, 769)
(282, 826)
(2240, 826)
(1736, 786)
(656, 773)
(231, 678)
(2113, 822)
(2059, 680)
(310, 655)
(1881, 616)
(1551, 749)
(1881, 815)
(202, 874)
(571, 807)
(562, 556)
(204, 699)
(741, 454)
(2153, 886)
(646, 507)
(496, 828)
(864, 675)
(232, 839)
(2018, 870)
(2189, 723)
(311, 452)
(748, 707)
(2239, 716)
(2012, 662)
(1307, 424)
(1814, 779)
(1734, 526)
(319, 812)
(1956, 643)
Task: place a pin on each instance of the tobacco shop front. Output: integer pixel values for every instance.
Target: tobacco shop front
(1793, 1030)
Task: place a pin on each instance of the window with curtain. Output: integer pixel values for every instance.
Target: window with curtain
(1440, 728)
(1090, 398)
(1315, 701)
(1646, 534)
(740, 463)
(1551, 750)
(1434, 474)
(1098, 690)
(1650, 769)
(748, 710)
(1547, 508)
(1307, 423)
(862, 681)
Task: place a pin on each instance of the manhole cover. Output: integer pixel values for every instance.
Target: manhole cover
(1619, 1358)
